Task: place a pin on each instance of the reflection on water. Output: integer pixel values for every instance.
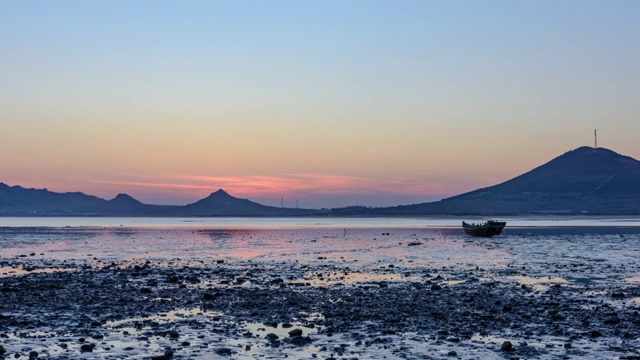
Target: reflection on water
(350, 279)
(10, 271)
(322, 222)
(539, 284)
(171, 316)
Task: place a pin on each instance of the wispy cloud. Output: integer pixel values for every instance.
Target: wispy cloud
(318, 190)
(276, 185)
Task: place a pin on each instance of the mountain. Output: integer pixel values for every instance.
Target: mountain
(582, 181)
(220, 203)
(586, 180)
(19, 201)
(16, 200)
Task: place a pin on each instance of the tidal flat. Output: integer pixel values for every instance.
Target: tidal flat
(325, 292)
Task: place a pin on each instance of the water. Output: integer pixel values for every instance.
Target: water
(311, 222)
(591, 254)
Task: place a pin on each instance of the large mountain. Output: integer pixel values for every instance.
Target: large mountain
(582, 181)
(19, 201)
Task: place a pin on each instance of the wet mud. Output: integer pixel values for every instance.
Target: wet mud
(327, 307)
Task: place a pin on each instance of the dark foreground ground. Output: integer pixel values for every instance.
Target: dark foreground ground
(561, 296)
(112, 312)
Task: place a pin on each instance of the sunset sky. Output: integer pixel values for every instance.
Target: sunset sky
(330, 103)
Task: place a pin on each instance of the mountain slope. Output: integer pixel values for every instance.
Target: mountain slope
(220, 203)
(582, 181)
(19, 201)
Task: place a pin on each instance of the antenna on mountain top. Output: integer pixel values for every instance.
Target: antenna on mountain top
(595, 138)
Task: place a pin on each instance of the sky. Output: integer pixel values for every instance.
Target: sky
(315, 103)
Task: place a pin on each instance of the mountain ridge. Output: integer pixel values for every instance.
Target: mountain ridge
(585, 180)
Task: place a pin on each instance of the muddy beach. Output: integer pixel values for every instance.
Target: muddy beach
(361, 293)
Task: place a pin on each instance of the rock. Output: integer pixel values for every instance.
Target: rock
(295, 332)
(2, 350)
(595, 333)
(33, 355)
(436, 287)
(224, 351)
(612, 321)
(186, 343)
(208, 296)
(507, 308)
(506, 346)
(452, 353)
(168, 355)
(300, 340)
(619, 295)
(87, 347)
(174, 334)
(272, 337)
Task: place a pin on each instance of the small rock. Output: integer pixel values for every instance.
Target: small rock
(619, 295)
(300, 340)
(224, 351)
(295, 332)
(436, 287)
(272, 337)
(506, 346)
(612, 321)
(174, 334)
(168, 355)
(452, 353)
(596, 333)
(33, 355)
(87, 347)
(208, 296)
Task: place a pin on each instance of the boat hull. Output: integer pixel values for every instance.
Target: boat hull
(488, 229)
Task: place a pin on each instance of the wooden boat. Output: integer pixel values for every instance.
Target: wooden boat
(488, 229)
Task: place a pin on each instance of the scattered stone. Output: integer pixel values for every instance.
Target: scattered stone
(87, 347)
(224, 351)
(295, 332)
(209, 296)
(506, 346)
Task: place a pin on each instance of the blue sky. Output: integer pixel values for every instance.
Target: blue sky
(331, 102)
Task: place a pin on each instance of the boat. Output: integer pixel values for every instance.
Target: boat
(487, 229)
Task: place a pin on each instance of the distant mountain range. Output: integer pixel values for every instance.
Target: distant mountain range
(586, 180)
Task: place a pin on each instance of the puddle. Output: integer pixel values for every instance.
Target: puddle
(539, 284)
(350, 279)
(633, 279)
(282, 330)
(9, 271)
(453, 282)
(171, 316)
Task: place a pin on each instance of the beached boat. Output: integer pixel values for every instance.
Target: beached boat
(488, 229)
